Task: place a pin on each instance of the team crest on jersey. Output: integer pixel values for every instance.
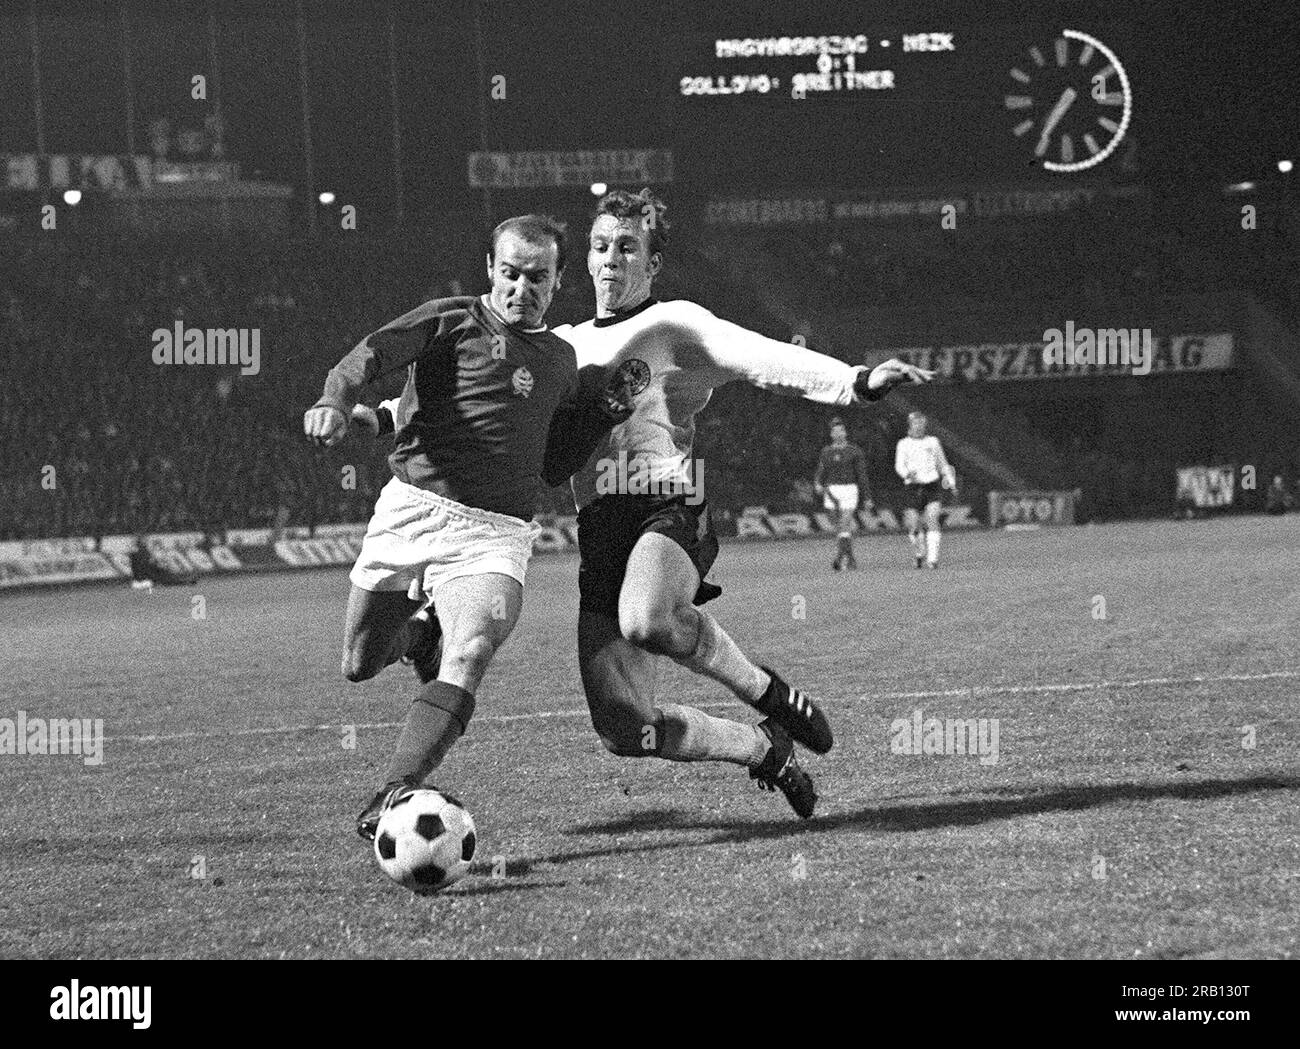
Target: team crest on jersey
(522, 381)
(632, 376)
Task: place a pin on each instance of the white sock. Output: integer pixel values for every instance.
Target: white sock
(918, 543)
(718, 657)
(932, 546)
(692, 735)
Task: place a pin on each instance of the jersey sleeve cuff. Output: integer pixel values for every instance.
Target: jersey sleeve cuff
(863, 392)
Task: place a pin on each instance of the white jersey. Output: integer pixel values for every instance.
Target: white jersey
(921, 459)
(673, 355)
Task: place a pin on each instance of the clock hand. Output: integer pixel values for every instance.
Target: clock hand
(1054, 117)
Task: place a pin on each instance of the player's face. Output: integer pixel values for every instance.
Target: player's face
(524, 278)
(839, 435)
(620, 263)
(916, 426)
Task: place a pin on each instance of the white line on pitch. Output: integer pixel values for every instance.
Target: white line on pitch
(1088, 686)
(539, 715)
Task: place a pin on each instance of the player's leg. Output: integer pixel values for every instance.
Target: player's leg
(656, 613)
(915, 535)
(380, 626)
(619, 680)
(932, 533)
(477, 613)
(379, 631)
(832, 506)
(846, 537)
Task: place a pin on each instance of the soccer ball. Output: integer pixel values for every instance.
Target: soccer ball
(425, 841)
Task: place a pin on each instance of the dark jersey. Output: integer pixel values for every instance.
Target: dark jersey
(842, 465)
(475, 419)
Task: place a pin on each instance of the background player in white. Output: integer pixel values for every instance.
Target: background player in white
(645, 556)
(841, 481)
(920, 462)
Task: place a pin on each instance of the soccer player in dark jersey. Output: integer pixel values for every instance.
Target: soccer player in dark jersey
(841, 480)
(494, 410)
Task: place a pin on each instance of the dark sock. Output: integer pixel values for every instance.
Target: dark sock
(437, 718)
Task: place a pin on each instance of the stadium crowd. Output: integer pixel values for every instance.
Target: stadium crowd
(101, 440)
(98, 439)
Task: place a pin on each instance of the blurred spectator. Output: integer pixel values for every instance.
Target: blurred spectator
(1278, 500)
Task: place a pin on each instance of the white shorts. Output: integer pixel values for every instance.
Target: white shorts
(416, 541)
(845, 494)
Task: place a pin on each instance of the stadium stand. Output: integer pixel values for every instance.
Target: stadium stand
(130, 441)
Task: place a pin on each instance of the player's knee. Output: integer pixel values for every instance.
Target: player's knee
(471, 656)
(624, 746)
(626, 737)
(652, 629)
(356, 667)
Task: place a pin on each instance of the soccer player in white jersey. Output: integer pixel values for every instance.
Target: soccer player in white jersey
(920, 462)
(644, 533)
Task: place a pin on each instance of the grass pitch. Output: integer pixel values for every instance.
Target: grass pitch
(1144, 680)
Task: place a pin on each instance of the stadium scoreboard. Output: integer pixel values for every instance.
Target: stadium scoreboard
(801, 66)
(912, 102)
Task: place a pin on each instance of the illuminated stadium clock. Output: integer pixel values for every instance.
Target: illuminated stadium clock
(1071, 102)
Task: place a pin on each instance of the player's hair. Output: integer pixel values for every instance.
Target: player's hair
(535, 229)
(917, 415)
(836, 421)
(623, 204)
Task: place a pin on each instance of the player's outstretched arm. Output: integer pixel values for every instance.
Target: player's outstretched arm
(738, 353)
(732, 352)
(874, 384)
(393, 346)
(580, 423)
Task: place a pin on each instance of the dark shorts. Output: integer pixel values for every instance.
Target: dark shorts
(609, 528)
(918, 496)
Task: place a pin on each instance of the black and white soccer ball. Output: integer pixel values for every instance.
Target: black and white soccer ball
(425, 840)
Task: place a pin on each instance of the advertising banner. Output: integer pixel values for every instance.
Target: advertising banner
(537, 169)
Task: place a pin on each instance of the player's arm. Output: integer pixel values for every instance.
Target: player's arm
(738, 353)
(900, 464)
(393, 346)
(580, 422)
(376, 421)
(819, 474)
(946, 472)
